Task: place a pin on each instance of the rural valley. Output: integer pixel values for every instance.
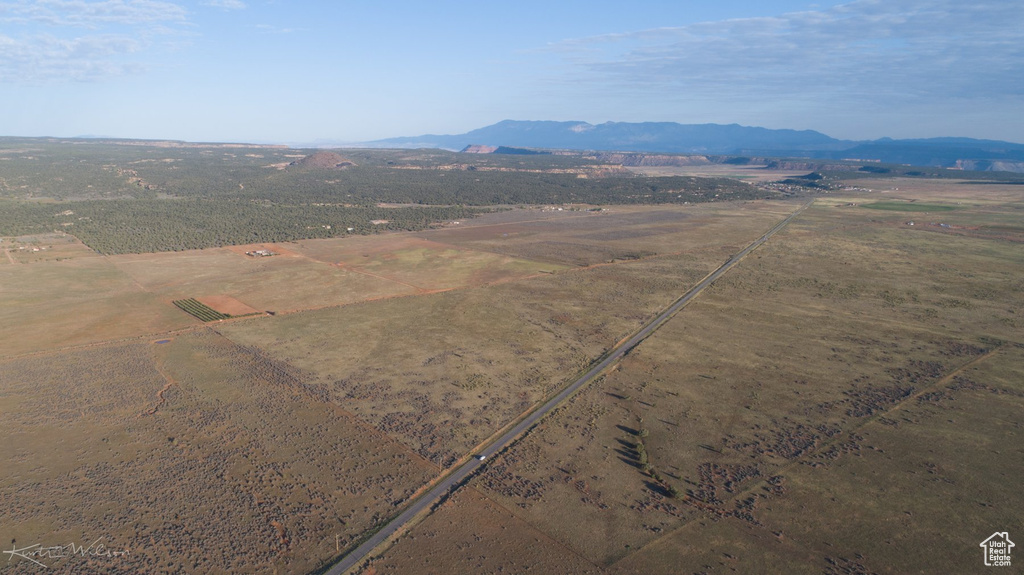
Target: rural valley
(245, 360)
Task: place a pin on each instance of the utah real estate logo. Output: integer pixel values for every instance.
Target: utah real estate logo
(997, 549)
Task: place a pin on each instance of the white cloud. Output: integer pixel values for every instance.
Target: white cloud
(45, 58)
(225, 4)
(866, 50)
(57, 40)
(268, 29)
(90, 14)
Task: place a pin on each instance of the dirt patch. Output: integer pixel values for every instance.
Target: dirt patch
(324, 160)
(276, 249)
(227, 305)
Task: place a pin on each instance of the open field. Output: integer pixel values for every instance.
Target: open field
(965, 191)
(846, 400)
(911, 490)
(81, 297)
(45, 305)
(444, 371)
(279, 283)
(420, 263)
(70, 295)
(319, 273)
(288, 436)
(842, 402)
(745, 173)
(913, 207)
(194, 455)
(445, 543)
(618, 233)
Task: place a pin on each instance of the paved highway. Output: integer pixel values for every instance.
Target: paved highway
(507, 438)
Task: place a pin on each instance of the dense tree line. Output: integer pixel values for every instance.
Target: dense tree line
(124, 198)
(484, 188)
(35, 168)
(140, 226)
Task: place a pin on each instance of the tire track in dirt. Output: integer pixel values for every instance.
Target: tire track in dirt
(373, 275)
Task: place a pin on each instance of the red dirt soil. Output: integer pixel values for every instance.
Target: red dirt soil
(227, 305)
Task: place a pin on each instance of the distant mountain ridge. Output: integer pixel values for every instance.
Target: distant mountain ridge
(668, 137)
(718, 139)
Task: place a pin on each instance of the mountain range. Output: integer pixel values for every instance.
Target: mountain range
(718, 139)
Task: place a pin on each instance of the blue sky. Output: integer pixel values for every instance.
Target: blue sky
(353, 70)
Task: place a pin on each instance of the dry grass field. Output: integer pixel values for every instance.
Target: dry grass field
(444, 371)
(69, 295)
(320, 273)
(964, 191)
(618, 233)
(50, 304)
(279, 283)
(909, 491)
(751, 173)
(847, 400)
(270, 449)
(195, 455)
(443, 543)
(418, 263)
